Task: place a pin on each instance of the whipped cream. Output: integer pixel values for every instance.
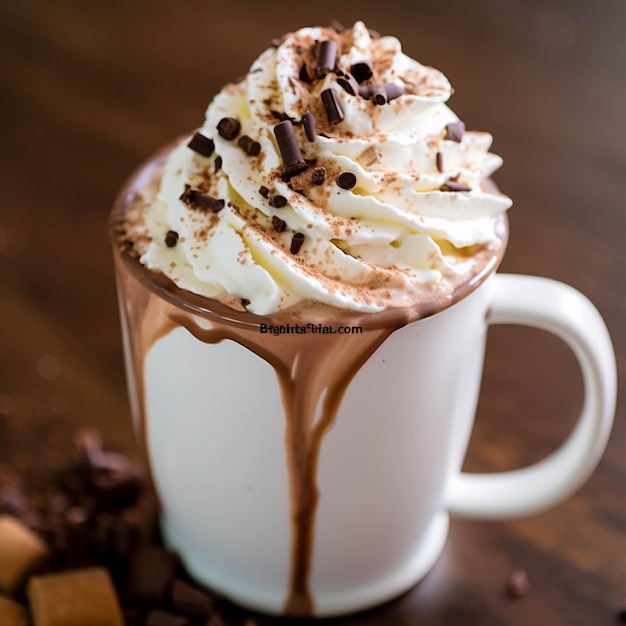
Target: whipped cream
(386, 203)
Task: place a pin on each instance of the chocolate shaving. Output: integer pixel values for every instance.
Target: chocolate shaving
(289, 149)
(454, 131)
(439, 161)
(249, 145)
(326, 55)
(308, 121)
(278, 202)
(346, 180)
(278, 225)
(171, 238)
(201, 144)
(452, 185)
(333, 110)
(349, 84)
(319, 175)
(381, 93)
(304, 74)
(393, 91)
(218, 163)
(195, 199)
(337, 26)
(281, 117)
(361, 72)
(296, 243)
(264, 191)
(228, 127)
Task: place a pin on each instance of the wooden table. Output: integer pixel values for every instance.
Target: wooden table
(90, 89)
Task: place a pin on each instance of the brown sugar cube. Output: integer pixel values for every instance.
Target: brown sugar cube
(84, 597)
(12, 613)
(21, 551)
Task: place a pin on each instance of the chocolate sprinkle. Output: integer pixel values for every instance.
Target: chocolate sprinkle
(319, 175)
(454, 131)
(195, 199)
(264, 191)
(228, 127)
(278, 225)
(278, 202)
(361, 72)
(452, 185)
(333, 110)
(326, 54)
(296, 243)
(308, 121)
(346, 180)
(201, 144)
(171, 238)
(439, 161)
(249, 145)
(289, 149)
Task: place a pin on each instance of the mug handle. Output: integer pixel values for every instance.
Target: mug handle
(562, 310)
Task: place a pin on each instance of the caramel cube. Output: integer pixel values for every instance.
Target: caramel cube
(20, 551)
(84, 597)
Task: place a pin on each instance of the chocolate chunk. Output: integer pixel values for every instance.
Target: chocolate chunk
(326, 55)
(454, 131)
(195, 199)
(201, 144)
(162, 618)
(228, 127)
(278, 225)
(249, 145)
(518, 585)
(218, 163)
(296, 243)
(278, 202)
(185, 599)
(439, 161)
(264, 191)
(21, 551)
(152, 570)
(318, 175)
(361, 71)
(346, 180)
(74, 598)
(333, 110)
(171, 238)
(12, 613)
(289, 149)
(349, 84)
(308, 121)
(452, 185)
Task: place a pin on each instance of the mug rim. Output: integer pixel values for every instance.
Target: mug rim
(206, 307)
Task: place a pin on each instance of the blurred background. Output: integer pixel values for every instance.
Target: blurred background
(90, 89)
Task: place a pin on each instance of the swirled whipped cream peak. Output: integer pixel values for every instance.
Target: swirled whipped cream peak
(334, 172)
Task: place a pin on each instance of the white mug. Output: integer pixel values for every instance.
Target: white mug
(387, 470)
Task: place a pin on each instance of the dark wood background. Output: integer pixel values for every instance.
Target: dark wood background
(89, 89)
